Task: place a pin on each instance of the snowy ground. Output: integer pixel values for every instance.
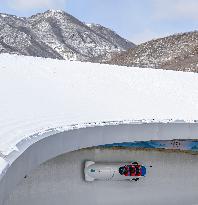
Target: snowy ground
(38, 94)
(172, 180)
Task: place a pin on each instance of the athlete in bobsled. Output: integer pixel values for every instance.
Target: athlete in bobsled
(113, 171)
(133, 169)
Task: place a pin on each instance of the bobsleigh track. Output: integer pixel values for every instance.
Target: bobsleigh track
(172, 180)
(52, 110)
(36, 150)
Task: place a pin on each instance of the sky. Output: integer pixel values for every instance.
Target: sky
(135, 20)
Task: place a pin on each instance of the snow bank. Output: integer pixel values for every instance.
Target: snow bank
(39, 94)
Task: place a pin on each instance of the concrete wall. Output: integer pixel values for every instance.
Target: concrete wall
(32, 155)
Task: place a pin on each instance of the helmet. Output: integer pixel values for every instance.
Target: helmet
(122, 170)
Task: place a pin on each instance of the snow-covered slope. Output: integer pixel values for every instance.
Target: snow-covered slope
(38, 94)
(56, 34)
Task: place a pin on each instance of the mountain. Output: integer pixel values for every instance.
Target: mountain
(176, 52)
(56, 34)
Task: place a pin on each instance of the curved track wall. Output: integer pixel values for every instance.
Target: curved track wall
(173, 176)
(32, 155)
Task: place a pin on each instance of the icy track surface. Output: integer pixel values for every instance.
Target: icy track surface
(171, 181)
(39, 94)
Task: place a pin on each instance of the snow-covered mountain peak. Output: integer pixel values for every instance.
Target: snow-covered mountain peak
(61, 17)
(57, 34)
(53, 13)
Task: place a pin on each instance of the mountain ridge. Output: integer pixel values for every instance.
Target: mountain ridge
(174, 52)
(57, 34)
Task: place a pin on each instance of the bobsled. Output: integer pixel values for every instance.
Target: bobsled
(114, 171)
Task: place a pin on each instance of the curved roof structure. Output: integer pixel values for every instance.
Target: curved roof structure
(74, 105)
